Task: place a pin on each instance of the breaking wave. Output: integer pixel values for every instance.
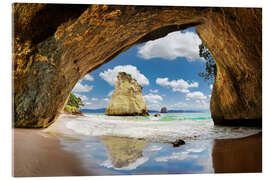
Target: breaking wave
(168, 127)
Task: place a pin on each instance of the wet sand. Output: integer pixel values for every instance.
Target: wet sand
(37, 154)
(242, 155)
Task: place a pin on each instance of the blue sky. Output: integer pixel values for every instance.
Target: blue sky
(167, 68)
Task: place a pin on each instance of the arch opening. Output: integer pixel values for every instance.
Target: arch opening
(147, 57)
(48, 71)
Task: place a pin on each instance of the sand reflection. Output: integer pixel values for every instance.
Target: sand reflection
(241, 155)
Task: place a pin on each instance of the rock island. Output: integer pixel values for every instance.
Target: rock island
(127, 99)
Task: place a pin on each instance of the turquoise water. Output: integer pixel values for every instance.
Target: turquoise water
(141, 145)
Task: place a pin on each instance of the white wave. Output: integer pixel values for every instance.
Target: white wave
(156, 130)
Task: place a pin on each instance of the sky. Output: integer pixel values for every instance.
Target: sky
(167, 68)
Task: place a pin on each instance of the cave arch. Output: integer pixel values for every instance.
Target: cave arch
(47, 65)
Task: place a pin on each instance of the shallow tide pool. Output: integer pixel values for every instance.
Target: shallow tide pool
(141, 145)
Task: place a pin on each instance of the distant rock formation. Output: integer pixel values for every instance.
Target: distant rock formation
(127, 99)
(164, 110)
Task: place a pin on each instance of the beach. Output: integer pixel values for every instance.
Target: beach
(47, 152)
(38, 154)
(242, 155)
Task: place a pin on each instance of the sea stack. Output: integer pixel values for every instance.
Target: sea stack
(164, 110)
(127, 99)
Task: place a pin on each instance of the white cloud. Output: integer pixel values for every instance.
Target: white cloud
(154, 106)
(94, 99)
(87, 104)
(79, 87)
(106, 99)
(153, 90)
(131, 166)
(176, 44)
(153, 98)
(195, 95)
(179, 156)
(83, 97)
(103, 103)
(191, 105)
(110, 93)
(110, 75)
(178, 106)
(179, 85)
(196, 150)
(211, 86)
(88, 77)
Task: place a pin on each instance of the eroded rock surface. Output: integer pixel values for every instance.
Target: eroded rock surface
(127, 99)
(55, 45)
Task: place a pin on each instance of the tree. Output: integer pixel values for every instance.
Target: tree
(210, 65)
(75, 101)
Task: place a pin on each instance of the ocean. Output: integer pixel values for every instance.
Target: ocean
(142, 145)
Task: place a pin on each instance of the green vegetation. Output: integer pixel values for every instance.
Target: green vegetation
(124, 73)
(210, 65)
(70, 109)
(74, 103)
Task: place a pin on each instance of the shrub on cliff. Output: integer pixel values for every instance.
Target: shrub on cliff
(73, 105)
(124, 73)
(210, 65)
(75, 101)
(70, 109)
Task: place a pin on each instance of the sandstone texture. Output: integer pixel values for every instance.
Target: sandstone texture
(127, 99)
(55, 45)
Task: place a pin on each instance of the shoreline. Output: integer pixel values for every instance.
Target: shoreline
(39, 154)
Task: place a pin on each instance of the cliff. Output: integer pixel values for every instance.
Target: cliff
(127, 99)
(55, 45)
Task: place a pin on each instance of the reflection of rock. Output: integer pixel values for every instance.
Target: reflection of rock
(243, 155)
(123, 151)
(164, 110)
(127, 99)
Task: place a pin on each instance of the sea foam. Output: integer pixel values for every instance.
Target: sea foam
(168, 127)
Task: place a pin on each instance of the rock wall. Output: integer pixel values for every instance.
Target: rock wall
(127, 99)
(234, 37)
(55, 45)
